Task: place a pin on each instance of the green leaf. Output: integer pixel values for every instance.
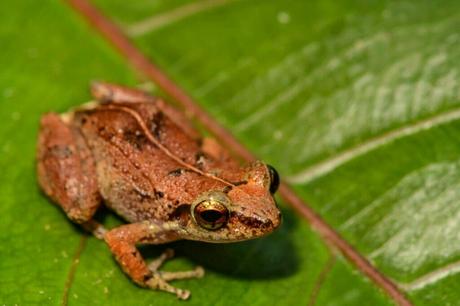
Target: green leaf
(354, 102)
(50, 58)
(357, 103)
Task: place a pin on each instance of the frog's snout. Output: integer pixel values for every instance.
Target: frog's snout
(274, 220)
(271, 219)
(278, 219)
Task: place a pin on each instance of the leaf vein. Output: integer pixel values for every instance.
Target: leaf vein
(73, 268)
(327, 268)
(326, 166)
(431, 277)
(157, 21)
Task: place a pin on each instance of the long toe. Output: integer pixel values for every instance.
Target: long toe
(157, 282)
(198, 272)
(155, 264)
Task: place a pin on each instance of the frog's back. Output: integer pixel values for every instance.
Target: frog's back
(132, 145)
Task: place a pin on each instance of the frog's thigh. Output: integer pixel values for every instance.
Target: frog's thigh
(122, 242)
(106, 92)
(179, 118)
(66, 169)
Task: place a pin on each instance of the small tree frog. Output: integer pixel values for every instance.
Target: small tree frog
(143, 159)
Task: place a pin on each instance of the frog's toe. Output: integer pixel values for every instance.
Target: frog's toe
(160, 279)
(198, 272)
(183, 294)
(157, 262)
(159, 283)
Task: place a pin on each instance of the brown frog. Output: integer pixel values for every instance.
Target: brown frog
(144, 160)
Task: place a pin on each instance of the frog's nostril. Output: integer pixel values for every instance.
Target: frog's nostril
(278, 220)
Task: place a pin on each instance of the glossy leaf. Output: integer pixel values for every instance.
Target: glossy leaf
(50, 58)
(357, 103)
(366, 93)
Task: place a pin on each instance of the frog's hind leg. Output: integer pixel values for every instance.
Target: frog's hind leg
(66, 170)
(106, 92)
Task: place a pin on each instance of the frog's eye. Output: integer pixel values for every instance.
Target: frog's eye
(274, 179)
(210, 214)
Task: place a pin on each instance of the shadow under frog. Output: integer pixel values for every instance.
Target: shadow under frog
(270, 257)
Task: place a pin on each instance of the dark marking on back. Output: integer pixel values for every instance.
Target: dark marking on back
(156, 124)
(61, 151)
(104, 133)
(200, 160)
(176, 172)
(159, 194)
(227, 189)
(135, 138)
(179, 171)
(239, 183)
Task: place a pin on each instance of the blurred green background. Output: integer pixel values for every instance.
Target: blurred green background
(356, 103)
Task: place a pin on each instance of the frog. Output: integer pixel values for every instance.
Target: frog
(145, 160)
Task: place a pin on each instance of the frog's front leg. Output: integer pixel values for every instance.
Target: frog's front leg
(122, 242)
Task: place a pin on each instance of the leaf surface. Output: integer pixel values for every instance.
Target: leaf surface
(287, 78)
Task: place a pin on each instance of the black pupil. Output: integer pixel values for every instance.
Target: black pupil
(274, 179)
(211, 215)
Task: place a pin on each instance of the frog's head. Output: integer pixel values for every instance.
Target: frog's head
(244, 210)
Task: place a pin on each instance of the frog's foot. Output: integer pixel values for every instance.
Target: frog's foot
(122, 242)
(160, 279)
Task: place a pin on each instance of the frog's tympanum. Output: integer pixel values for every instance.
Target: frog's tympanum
(144, 160)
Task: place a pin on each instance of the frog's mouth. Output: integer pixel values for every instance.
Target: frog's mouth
(253, 222)
(238, 228)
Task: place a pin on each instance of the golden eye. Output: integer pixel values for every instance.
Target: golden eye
(210, 214)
